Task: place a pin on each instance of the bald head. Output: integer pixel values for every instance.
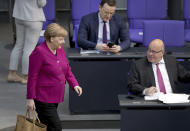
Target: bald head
(157, 43)
(155, 51)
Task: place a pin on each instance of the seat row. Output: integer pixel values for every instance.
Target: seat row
(147, 20)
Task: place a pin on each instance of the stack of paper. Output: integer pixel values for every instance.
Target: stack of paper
(174, 98)
(152, 97)
(89, 51)
(169, 98)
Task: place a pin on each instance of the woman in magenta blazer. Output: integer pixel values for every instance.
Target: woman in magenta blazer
(48, 72)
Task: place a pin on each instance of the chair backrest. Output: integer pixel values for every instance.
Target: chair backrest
(170, 31)
(139, 10)
(186, 8)
(84, 7)
(186, 13)
(79, 9)
(49, 12)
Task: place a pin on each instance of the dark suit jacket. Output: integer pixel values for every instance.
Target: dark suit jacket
(88, 31)
(142, 76)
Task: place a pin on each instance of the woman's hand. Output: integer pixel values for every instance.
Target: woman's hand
(41, 3)
(30, 104)
(78, 90)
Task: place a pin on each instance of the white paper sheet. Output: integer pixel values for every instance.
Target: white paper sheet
(169, 98)
(89, 51)
(174, 98)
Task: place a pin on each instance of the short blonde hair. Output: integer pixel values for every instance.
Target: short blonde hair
(54, 30)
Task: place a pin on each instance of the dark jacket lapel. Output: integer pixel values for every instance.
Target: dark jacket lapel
(169, 71)
(96, 25)
(150, 73)
(112, 29)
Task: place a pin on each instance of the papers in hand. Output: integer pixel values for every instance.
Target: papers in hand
(169, 98)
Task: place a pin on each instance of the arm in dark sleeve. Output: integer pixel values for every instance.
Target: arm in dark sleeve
(82, 39)
(124, 35)
(183, 74)
(134, 84)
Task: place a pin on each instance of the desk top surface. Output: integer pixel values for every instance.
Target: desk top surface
(139, 102)
(135, 52)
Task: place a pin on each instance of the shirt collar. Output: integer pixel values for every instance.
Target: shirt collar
(100, 19)
(160, 62)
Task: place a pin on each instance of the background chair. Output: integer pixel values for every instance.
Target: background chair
(186, 12)
(49, 11)
(140, 10)
(79, 9)
(170, 31)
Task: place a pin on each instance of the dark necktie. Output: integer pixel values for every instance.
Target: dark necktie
(104, 33)
(160, 80)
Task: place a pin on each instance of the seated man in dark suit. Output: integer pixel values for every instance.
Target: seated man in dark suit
(99, 28)
(157, 72)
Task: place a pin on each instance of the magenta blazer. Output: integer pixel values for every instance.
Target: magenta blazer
(48, 74)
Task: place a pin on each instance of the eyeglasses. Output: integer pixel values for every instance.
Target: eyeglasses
(153, 52)
(107, 12)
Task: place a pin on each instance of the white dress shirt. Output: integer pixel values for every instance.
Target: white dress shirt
(165, 77)
(100, 30)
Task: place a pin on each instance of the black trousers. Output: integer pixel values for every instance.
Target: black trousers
(47, 113)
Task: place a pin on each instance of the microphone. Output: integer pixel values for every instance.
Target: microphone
(169, 52)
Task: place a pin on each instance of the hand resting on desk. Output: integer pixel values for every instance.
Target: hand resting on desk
(150, 91)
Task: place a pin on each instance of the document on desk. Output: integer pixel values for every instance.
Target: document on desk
(89, 51)
(169, 98)
(155, 96)
(174, 98)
